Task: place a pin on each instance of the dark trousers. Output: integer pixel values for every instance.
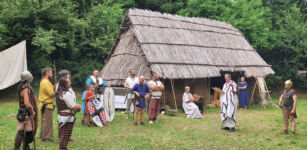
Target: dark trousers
(154, 108)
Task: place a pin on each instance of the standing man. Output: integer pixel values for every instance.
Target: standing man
(229, 101)
(141, 92)
(154, 103)
(46, 98)
(289, 107)
(95, 80)
(129, 83)
(27, 122)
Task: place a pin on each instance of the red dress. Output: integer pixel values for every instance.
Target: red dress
(88, 96)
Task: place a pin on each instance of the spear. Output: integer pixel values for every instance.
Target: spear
(54, 70)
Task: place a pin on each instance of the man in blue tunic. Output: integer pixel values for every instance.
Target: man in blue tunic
(141, 92)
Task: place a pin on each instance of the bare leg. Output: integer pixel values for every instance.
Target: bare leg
(142, 115)
(88, 120)
(136, 114)
(293, 125)
(285, 118)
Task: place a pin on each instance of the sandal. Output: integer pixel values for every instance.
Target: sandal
(284, 131)
(293, 133)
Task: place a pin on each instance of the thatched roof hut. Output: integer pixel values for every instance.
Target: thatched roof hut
(179, 47)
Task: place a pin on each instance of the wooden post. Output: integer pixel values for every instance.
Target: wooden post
(173, 90)
(252, 98)
(164, 94)
(267, 89)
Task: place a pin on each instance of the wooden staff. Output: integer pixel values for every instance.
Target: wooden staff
(54, 70)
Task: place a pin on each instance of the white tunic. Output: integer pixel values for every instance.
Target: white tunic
(69, 98)
(131, 82)
(190, 108)
(155, 83)
(229, 101)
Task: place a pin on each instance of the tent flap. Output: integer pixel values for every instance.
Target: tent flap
(13, 61)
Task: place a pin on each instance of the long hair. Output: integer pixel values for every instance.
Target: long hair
(62, 87)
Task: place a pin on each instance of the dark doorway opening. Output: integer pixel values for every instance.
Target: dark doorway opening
(219, 81)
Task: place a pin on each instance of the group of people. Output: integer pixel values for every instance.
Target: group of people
(139, 94)
(229, 101)
(28, 112)
(94, 86)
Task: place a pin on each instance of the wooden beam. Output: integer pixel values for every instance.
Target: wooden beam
(252, 98)
(164, 103)
(205, 64)
(173, 90)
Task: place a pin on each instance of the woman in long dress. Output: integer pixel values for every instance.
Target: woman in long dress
(190, 108)
(243, 94)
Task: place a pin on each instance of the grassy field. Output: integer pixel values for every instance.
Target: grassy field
(256, 129)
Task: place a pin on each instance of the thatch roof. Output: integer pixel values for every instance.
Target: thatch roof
(179, 47)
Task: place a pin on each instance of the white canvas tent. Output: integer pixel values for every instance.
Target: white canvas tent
(13, 61)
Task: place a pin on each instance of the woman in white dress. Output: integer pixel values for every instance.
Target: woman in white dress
(190, 108)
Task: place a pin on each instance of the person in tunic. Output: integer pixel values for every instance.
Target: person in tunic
(141, 91)
(26, 129)
(66, 74)
(66, 109)
(95, 80)
(129, 83)
(88, 97)
(229, 101)
(243, 94)
(289, 99)
(46, 98)
(154, 104)
(190, 108)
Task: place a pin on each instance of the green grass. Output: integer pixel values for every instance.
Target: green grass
(256, 129)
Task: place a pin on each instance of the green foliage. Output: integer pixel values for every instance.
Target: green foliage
(78, 34)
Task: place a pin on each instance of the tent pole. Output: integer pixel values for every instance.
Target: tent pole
(172, 84)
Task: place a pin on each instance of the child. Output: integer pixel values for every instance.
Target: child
(83, 106)
(89, 96)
